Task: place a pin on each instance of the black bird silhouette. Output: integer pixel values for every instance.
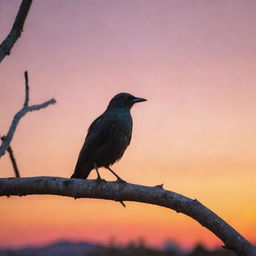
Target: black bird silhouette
(108, 137)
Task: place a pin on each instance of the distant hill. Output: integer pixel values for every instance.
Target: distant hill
(54, 249)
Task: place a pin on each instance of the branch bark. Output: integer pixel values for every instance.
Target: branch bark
(17, 28)
(130, 192)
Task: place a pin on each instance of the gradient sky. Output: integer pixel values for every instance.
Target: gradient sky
(195, 62)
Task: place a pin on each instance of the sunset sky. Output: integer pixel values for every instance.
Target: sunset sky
(195, 62)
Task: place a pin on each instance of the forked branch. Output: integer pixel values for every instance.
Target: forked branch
(130, 192)
(26, 108)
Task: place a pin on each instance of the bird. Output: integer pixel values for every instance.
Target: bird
(107, 138)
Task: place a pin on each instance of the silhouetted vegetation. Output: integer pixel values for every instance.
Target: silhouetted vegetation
(141, 250)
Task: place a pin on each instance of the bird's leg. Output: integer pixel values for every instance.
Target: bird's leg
(98, 174)
(118, 178)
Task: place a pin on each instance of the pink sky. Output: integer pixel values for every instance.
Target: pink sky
(195, 62)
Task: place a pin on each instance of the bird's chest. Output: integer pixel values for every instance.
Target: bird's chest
(118, 140)
(122, 129)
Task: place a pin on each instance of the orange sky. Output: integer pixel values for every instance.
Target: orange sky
(195, 63)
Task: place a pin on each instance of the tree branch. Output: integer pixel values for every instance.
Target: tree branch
(26, 108)
(17, 28)
(130, 192)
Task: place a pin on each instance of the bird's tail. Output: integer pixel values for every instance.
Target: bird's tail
(82, 171)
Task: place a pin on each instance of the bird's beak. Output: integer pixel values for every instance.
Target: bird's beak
(136, 100)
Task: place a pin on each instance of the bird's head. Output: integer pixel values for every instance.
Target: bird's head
(124, 100)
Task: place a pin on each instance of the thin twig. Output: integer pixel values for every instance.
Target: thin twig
(77, 188)
(13, 160)
(26, 89)
(17, 28)
(122, 203)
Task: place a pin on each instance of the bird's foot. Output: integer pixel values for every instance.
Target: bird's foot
(100, 180)
(119, 180)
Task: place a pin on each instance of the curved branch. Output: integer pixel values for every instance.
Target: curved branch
(17, 28)
(130, 192)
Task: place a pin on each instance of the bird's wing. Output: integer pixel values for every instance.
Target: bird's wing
(98, 132)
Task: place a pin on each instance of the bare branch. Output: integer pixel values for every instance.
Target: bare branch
(26, 108)
(130, 192)
(17, 28)
(26, 89)
(16, 120)
(13, 160)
